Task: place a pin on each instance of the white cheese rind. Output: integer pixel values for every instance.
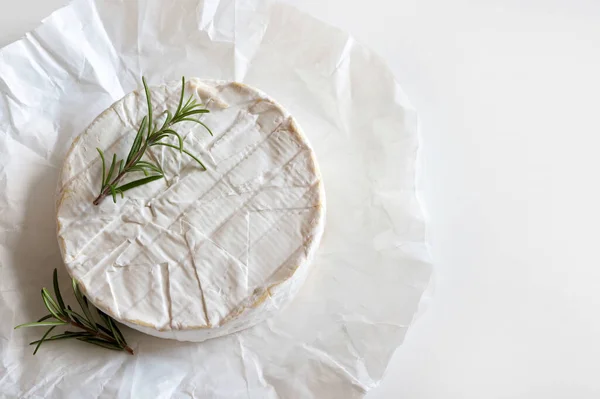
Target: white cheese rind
(199, 254)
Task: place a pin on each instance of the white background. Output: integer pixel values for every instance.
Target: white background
(509, 99)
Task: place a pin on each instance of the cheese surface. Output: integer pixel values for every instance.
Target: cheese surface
(198, 254)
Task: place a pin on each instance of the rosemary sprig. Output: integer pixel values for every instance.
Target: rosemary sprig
(107, 336)
(149, 134)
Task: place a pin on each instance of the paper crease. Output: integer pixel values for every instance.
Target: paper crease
(373, 264)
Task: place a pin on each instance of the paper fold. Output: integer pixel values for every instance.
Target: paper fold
(336, 338)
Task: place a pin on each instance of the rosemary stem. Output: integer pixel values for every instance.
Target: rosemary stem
(153, 136)
(121, 175)
(99, 334)
(106, 191)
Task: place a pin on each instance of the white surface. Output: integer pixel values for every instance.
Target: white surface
(507, 93)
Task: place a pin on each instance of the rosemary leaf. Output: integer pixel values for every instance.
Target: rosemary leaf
(83, 304)
(81, 320)
(104, 329)
(43, 338)
(187, 104)
(159, 138)
(182, 95)
(103, 167)
(137, 183)
(51, 305)
(65, 335)
(74, 316)
(48, 316)
(198, 122)
(100, 342)
(204, 125)
(59, 299)
(42, 324)
(194, 112)
(149, 101)
(104, 317)
(167, 134)
(167, 120)
(137, 142)
(194, 158)
(113, 192)
(112, 168)
(150, 166)
(187, 152)
(179, 138)
(116, 332)
(138, 169)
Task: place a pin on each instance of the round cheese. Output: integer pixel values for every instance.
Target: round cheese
(200, 253)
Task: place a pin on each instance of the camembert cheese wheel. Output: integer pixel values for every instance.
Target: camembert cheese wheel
(199, 253)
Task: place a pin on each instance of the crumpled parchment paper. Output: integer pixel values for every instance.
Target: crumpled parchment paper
(336, 338)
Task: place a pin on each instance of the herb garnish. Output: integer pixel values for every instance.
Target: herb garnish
(149, 135)
(107, 336)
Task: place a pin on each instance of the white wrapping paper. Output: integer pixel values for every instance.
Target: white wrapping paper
(336, 338)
